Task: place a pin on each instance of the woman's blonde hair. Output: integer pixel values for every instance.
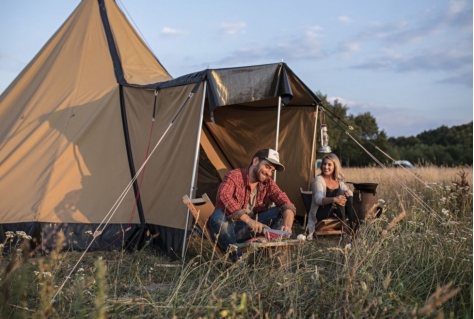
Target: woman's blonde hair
(337, 173)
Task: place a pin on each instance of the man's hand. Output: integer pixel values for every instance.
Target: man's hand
(256, 226)
(288, 217)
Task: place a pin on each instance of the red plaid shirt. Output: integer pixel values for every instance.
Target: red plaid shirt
(234, 193)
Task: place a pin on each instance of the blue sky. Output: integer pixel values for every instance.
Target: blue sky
(409, 63)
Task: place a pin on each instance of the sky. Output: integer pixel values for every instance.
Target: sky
(409, 63)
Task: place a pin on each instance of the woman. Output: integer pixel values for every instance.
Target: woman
(331, 196)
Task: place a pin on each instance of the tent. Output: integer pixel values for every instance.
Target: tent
(95, 107)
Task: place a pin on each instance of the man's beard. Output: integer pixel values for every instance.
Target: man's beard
(259, 175)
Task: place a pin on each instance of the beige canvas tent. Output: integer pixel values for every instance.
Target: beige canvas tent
(80, 121)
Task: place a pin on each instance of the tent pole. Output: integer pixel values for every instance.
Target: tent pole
(277, 132)
(313, 147)
(195, 167)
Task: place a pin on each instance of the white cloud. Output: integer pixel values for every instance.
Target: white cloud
(344, 19)
(234, 28)
(305, 46)
(456, 7)
(171, 31)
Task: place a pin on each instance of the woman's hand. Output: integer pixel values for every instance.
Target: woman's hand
(340, 200)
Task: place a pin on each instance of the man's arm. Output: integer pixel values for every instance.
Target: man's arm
(288, 218)
(225, 195)
(281, 200)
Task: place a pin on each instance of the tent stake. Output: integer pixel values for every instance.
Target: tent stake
(195, 167)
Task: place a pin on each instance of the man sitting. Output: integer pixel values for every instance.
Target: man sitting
(243, 200)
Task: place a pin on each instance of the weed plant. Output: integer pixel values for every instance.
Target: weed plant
(414, 261)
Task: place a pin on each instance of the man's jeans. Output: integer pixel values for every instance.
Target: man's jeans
(227, 232)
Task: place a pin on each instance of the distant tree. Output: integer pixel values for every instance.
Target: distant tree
(352, 136)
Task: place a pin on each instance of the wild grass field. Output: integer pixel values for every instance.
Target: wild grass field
(414, 261)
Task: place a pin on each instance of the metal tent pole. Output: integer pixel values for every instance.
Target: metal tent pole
(195, 167)
(313, 147)
(277, 132)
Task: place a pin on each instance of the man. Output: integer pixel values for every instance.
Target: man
(243, 200)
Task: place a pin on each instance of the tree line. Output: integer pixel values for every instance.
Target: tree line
(448, 146)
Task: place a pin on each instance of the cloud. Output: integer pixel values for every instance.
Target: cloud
(463, 79)
(458, 57)
(344, 19)
(305, 46)
(171, 32)
(231, 29)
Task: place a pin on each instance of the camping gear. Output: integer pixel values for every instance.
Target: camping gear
(80, 125)
(273, 233)
(365, 199)
(365, 187)
(202, 208)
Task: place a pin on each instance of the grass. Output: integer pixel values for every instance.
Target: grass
(415, 261)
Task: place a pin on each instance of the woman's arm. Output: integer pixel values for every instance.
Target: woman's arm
(319, 190)
(345, 188)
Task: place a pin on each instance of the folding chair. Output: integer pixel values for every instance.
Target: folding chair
(329, 226)
(202, 209)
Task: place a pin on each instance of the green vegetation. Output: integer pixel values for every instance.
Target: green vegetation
(443, 146)
(409, 263)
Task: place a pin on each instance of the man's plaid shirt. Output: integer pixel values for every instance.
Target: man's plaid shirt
(234, 193)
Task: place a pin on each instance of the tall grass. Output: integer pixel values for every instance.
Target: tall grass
(414, 261)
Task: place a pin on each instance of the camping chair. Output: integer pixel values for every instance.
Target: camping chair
(329, 226)
(202, 208)
(201, 214)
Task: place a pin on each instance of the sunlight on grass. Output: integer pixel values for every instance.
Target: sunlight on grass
(408, 263)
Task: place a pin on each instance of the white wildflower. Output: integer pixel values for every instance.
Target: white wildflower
(445, 211)
(442, 199)
(9, 234)
(448, 188)
(27, 237)
(89, 232)
(80, 270)
(455, 184)
(451, 258)
(451, 234)
(36, 273)
(381, 201)
(47, 274)
(21, 233)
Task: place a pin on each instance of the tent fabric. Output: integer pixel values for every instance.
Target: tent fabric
(77, 124)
